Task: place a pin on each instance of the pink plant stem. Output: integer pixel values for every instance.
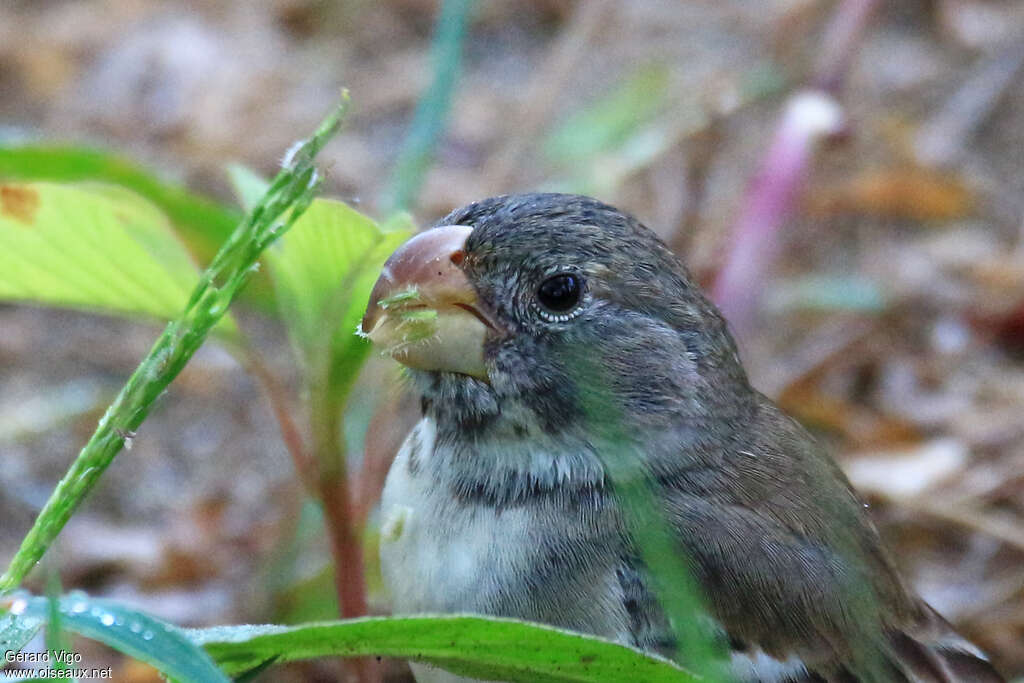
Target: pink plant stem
(842, 37)
(769, 204)
(809, 116)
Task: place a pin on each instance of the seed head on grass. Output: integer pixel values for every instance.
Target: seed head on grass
(416, 323)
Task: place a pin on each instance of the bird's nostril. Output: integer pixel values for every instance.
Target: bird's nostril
(458, 257)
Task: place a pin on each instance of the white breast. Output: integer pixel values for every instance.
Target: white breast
(441, 556)
(541, 561)
(437, 555)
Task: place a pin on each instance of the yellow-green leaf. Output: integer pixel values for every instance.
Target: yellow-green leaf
(323, 271)
(204, 224)
(96, 247)
(490, 648)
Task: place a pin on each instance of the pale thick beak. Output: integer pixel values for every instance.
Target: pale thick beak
(423, 310)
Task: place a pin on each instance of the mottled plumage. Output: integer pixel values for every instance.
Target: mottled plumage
(498, 503)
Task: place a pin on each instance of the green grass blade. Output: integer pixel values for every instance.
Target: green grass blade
(432, 111)
(16, 629)
(481, 647)
(165, 647)
(288, 196)
(611, 120)
(57, 642)
(646, 522)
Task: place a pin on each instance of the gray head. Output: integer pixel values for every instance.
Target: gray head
(539, 283)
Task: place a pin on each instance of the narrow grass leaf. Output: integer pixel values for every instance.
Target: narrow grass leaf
(57, 642)
(18, 628)
(612, 119)
(163, 646)
(646, 522)
(432, 110)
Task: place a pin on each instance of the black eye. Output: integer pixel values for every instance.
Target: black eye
(560, 293)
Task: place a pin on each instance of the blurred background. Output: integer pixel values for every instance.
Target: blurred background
(867, 243)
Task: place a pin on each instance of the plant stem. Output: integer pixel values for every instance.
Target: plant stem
(305, 467)
(288, 196)
(339, 516)
(810, 115)
(768, 204)
(329, 453)
(843, 37)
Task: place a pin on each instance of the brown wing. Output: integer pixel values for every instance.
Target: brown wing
(933, 652)
(793, 567)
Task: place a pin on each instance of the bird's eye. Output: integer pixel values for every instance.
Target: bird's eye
(559, 294)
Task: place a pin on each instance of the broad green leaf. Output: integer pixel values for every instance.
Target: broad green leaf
(165, 647)
(312, 263)
(481, 647)
(323, 271)
(96, 248)
(349, 351)
(203, 223)
(612, 119)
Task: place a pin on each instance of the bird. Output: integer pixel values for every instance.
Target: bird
(510, 315)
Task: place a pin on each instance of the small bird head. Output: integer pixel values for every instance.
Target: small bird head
(510, 294)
